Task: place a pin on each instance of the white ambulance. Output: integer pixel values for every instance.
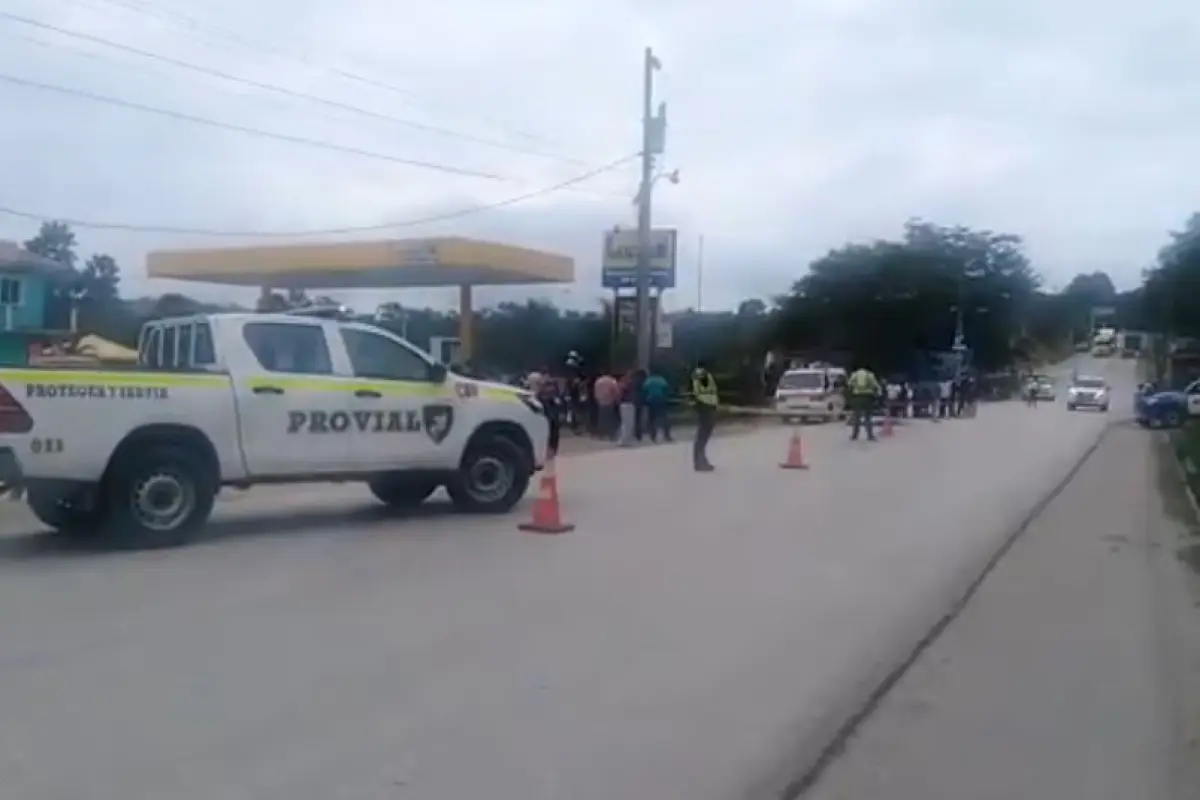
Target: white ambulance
(815, 392)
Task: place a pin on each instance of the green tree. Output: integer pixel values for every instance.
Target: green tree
(882, 302)
(99, 279)
(56, 241)
(1091, 289)
(174, 304)
(271, 302)
(1171, 288)
(298, 298)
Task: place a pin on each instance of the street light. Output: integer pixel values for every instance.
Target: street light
(672, 177)
(968, 272)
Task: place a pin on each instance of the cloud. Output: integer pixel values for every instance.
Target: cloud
(796, 125)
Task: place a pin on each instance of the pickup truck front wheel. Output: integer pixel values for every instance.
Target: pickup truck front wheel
(492, 477)
(158, 497)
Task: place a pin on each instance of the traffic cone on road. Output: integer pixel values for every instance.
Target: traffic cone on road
(547, 515)
(795, 452)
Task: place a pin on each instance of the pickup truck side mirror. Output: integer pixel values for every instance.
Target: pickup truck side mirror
(437, 372)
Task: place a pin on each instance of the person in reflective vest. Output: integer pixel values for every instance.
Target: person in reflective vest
(863, 390)
(704, 394)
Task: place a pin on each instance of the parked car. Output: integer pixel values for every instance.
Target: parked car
(1045, 388)
(1166, 409)
(138, 455)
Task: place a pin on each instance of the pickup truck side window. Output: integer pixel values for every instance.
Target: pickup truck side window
(169, 360)
(289, 347)
(205, 354)
(185, 347)
(150, 357)
(375, 356)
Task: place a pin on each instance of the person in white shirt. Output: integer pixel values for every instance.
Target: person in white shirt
(894, 394)
(944, 389)
(1031, 392)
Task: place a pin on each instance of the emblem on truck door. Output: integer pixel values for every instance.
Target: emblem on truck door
(438, 420)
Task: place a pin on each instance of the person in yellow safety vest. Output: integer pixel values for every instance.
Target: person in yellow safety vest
(864, 391)
(704, 394)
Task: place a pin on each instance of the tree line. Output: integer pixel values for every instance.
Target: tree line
(873, 302)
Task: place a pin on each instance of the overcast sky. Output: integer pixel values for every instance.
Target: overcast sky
(796, 125)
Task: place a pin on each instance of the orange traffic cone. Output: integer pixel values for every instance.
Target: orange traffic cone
(795, 453)
(547, 516)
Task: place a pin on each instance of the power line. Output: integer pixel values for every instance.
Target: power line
(179, 19)
(231, 126)
(408, 223)
(110, 60)
(283, 90)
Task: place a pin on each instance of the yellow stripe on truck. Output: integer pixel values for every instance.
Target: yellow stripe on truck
(56, 377)
(388, 388)
(385, 388)
(500, 395)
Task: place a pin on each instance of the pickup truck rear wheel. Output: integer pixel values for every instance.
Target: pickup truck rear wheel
(60, 513)
(492, 477)
(397, 490)
(158, 497)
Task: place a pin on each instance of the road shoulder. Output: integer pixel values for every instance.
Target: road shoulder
(1073, 672)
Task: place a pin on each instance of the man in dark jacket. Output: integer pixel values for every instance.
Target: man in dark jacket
(550, 396)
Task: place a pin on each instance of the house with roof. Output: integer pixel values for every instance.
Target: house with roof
(30, 317)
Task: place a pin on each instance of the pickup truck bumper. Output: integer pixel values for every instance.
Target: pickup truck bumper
(11, 475)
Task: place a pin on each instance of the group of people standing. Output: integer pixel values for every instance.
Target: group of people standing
(623, 408)
(866, 395)
(618, 407)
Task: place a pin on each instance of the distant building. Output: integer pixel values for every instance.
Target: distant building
(28, 319)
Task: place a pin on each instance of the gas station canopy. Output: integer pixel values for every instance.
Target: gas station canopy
(390, 264)
(394, 263)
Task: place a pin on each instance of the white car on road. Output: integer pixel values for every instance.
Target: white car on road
(138, 456)
(1088, 392)
(811, 393)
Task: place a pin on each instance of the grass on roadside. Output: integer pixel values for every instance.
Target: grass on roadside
(1177, 449)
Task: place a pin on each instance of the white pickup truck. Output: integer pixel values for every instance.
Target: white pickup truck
(137, 456)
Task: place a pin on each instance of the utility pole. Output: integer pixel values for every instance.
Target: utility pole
(960, 338)
(700, 274)
(652, 144)
(959, 334)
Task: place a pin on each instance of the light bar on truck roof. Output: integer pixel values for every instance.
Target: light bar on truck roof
(331, 311)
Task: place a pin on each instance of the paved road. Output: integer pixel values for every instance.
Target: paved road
(697, 635)
(1072, 674)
